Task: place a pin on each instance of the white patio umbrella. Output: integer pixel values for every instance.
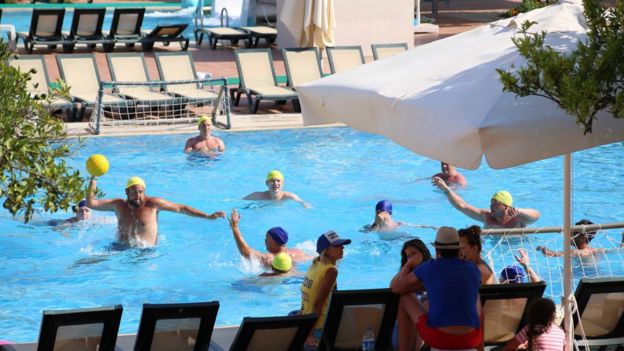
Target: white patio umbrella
(444, 100)
(318, 24)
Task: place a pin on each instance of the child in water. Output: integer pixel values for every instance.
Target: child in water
(320, 281)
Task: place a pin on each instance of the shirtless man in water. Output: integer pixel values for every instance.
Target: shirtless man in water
(205, 142)
(137, 215)
(450, 175)
(501, 213)
(275, 181)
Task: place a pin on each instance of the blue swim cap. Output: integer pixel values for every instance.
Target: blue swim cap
(384, 205)
(512, 275)
(82, 203)
(279, 235)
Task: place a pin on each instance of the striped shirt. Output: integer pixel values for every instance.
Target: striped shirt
(552, 339)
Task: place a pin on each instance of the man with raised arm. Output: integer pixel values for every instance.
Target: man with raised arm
(205, 142)
(275, 182)
(501, 213)
(450, 175)
(275, 242)
(137, 215)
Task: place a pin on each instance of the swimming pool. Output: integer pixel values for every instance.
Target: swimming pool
(21, 19)
(341, 172)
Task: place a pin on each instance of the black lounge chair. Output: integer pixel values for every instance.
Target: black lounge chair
(351, 312)
(273, 333)
(86, 29)
(165, 34)
(179, 326)
(80, 329)
(125, 27)
(601, 307)
(504, 309)
(269, 34)
(45, 29)
(222, 32)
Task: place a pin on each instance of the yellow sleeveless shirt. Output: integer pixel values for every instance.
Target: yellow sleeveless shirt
(310, 288)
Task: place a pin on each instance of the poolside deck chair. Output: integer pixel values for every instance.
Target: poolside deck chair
(342, 58)
(80, 73)
(351, 312)
(273, 333)
(179, 66)
(222, 31)
(381, 51)
(179, 326)
(302, 66)
(601, 307)
(504, 309)
(80, 329)
(86, 28)
(257, 78)
(165, 34)
(125, 27)
(45, 29)
(131, 67)
(269, 34)
(39, 81)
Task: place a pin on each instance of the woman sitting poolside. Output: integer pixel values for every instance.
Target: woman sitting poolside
(471, 247)
(413, 254)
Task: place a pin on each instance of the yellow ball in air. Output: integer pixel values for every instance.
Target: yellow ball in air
(97, 165)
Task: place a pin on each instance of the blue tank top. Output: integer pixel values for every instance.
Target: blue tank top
(452, 287)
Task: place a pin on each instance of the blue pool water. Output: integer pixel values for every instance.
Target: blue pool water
(340, 172)
(21, 20)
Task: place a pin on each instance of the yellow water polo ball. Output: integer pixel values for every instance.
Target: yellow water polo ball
(97, 165)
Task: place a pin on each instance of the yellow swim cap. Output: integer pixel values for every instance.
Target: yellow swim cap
(504, 197)
(275, 174)
(204, 118)
(135, 181)
(282, 262)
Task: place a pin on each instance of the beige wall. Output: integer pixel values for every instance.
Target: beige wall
(358, 22)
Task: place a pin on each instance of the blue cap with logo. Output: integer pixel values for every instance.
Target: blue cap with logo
(328, 239)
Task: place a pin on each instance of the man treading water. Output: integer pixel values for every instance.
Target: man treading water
(275, 182)
(137, 215)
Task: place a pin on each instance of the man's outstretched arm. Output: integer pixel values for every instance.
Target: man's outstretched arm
(166, 205)
(458, 202)
(98, 204)
(243, 248)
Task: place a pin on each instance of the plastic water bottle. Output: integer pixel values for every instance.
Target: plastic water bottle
(368, 340)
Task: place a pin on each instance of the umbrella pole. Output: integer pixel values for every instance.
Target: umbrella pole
(567, 251)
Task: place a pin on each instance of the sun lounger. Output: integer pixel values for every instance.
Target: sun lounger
(79, 71)
(86, 29)
(223, 31)
(351, 312)
(273, 333)
(45, 29)
(131, 67)
(261, 32)
(125, 27)
(180, 326)
(504, 309)
(257, 78)
(381, 51)
(342, 58)
(302, 66)
(601, 307)
(39, 82)
(179, 67)
(80, 329)
(165, 34)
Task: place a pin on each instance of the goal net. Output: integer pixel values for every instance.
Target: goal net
(160, 103)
